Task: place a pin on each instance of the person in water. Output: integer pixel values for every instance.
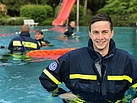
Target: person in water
(69, 29)
(39, 37)
(23, 42)
(2, 47)
(97, 73)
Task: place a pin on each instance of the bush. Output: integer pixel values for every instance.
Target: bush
(49, 10)
(47, 22)
(15, 21)
(37, 12)
(3, 21)
(12, 21)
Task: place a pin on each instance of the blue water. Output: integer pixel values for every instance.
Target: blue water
(19, 81)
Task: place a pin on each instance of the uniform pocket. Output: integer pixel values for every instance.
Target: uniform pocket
(119, 86)
(84, 85)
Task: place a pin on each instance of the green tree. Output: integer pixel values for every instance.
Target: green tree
(95, 5)
(13, 6)
(115, 7)
(85, 7)
(123, 12)
(132, 9)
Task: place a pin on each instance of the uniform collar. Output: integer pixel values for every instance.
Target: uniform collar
(96, 55)
(70, 27)
(25, 34)
(40, 39)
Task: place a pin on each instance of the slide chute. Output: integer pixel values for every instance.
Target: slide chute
(64, 12)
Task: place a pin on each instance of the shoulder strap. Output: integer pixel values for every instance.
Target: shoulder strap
(23, 47)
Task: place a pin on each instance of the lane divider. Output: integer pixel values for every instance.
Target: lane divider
(59, 29)
(16, 33)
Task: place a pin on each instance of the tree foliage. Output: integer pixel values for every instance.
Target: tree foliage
(14, 6)
(122, 11)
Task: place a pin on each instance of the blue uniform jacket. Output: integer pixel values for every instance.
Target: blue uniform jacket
(43, 42)
(69, 31)
(23, 42)
(79, 70)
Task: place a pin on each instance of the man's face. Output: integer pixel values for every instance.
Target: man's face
(72, 24)
(38, 36)
(101, 34)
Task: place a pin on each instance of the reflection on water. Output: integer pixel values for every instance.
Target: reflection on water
(19, 80)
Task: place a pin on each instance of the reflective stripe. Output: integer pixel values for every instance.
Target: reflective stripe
(16, 56)
(51, 76)
(81, 76)
(118, 101)
(29, 44)
(123, 77)
(134, 86)
(26, 44)
(16, 43)
(94, 77)
(39, 43)
(77, 100)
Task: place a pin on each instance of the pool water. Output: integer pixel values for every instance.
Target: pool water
(19, 82)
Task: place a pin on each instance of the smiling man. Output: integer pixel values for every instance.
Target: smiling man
(98, 73)
(101, 33)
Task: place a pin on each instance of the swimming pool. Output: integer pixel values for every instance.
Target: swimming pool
(19, 82)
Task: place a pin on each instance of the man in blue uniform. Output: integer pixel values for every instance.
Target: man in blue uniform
(23, 42)
(98, 73)
(70, 28)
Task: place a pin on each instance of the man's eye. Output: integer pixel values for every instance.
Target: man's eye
(105, 32)
(95, 32)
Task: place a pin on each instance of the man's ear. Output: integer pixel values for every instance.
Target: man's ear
(89, 32)
(112, 34)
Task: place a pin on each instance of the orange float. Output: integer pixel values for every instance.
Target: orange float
(48, 54)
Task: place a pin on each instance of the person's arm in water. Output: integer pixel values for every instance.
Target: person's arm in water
(50, 80)
(2, 47)
(53, 76)
(46, 43)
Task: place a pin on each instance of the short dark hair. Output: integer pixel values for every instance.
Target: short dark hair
(24, 28)
(101, 17)
(39, 31)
